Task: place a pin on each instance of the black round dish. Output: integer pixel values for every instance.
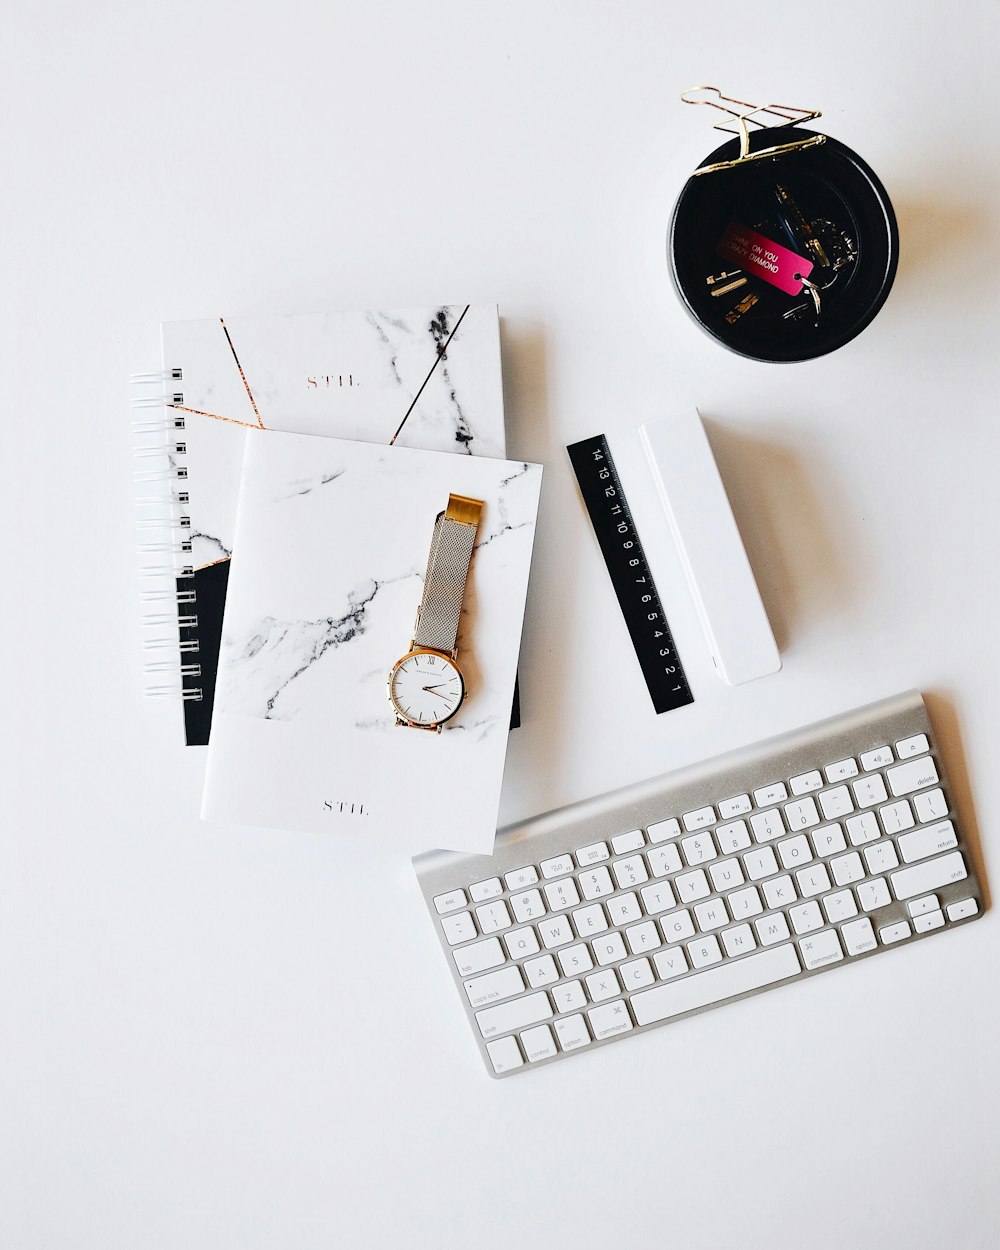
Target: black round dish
(849, 211)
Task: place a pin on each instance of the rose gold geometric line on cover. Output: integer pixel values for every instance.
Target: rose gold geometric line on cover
(216, 417)
(253, 402)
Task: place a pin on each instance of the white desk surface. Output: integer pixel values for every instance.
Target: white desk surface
(222, 1038)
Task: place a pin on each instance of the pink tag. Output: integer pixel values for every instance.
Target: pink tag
(764, 258)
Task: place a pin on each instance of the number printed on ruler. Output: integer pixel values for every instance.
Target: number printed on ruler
(629, 571)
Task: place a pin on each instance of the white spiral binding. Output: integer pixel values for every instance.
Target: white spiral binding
(164, 533)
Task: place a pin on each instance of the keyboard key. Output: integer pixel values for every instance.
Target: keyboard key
(894, 932)
(541, 972)
(801, 814)
(960, 910)
(623, 909)
(930, 840)
(521, 878)
(806, 917)
(572, 1032)
(847, 869)
(795, 851)
(842, 770)
(879, 758)
(779, 892)
(558, 867)
(538, 1043)
(881, 857)
(677, 926)
(928, 876)
(699, 819)
(556, 931)
(521, 943)
(733, 837)
(830, 839)
(663, 859)
(929, 920)
(670, 963)
(745, 903)
(458, 928)
(692, 886)
(517, 1014)
(663, 830)
(483, 891)
(717, 984)
(609, 1020)
(609, 949)
(729, 809)
(911, 746)
(479, 957)
(603, 985)
(630, 872)
(642, 937)
(527, 906)
(760, 863)
(770, 794)
(568, 997)
(561, 894)
(836, 803)
(930, 805)
(711, 915)
(493, 917)
(495, 986)
(873, 894)
(767, 825)
(451, 901)
(626, 842)
(704, 951)
(821, 949)
(596, 883)
(726, 875)
(917, 906)
(658, 897)
(575, 960)
(588, 855)
(896, 817)
(699, 849)
(739, 941)
(869, 790)
(504, 1054)
(807, 783)
(771, 929)
(636, 974)
(863, 828)
(913, 775)
(840, 906)
(858, 936)
(590, 921)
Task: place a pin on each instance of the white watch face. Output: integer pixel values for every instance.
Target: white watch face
(426, 688)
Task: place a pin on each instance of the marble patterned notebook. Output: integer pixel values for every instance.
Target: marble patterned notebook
(424, 377)
(333, 538)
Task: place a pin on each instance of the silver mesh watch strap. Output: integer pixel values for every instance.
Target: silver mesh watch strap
(447, 571)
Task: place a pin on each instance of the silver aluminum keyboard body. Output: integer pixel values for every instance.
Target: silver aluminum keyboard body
(541, 977)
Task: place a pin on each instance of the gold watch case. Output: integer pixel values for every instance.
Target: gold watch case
(402, 718)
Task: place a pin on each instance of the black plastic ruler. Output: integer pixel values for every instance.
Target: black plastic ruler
(623, 554)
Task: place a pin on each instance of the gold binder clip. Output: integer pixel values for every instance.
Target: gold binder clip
(742, 115)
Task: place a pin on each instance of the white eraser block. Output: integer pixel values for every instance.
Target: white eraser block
(711, 550)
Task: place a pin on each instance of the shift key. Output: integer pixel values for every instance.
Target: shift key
(517, 1014)
(929, 876)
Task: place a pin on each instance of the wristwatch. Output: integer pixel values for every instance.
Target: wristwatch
(426, 686)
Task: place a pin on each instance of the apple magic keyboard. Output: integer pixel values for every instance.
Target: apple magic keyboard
(624, 912)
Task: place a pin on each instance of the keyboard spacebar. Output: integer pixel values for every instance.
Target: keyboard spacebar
(715, 985)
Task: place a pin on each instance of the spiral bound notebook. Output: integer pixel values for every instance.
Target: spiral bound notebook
(333, 540)
(425, 377)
